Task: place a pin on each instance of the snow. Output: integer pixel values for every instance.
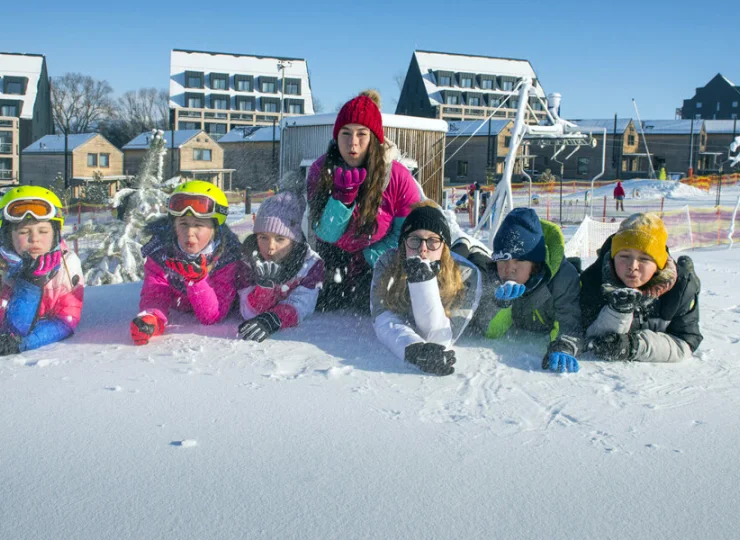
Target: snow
(54, 144)
(651, 189)
(320, 432)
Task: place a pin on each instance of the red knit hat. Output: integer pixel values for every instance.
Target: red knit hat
(361, 110)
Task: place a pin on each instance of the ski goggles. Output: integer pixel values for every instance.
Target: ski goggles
(199, 205)
(17, 210)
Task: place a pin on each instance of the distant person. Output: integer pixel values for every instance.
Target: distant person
(638, 304)
(619, 196)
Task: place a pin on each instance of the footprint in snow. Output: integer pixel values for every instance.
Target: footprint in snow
(185, 443)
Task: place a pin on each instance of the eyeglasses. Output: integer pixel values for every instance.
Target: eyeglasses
(17, 210)
(199, 205)
(414, 242)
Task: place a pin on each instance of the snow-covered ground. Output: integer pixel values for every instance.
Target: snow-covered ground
(321, 433)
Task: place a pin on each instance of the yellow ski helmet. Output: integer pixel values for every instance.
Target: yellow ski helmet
(34, 201)
(201, 199)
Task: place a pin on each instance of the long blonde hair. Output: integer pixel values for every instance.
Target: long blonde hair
(370, 193)
(395, 292)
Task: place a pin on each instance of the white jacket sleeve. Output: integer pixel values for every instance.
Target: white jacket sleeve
(394, 333)
(429, 314)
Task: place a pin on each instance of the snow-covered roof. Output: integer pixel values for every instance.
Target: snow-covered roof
(22, 65)
(429, 62)
(670, 127)
(54, 144)
(236, 64)
(601, 123)
(250, 134)
(468, 127)
(182, 136)
(720, 127)
(389, 120)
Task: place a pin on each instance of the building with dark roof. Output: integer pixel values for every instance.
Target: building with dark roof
(719, 99)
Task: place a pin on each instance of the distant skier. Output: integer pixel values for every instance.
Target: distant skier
(619, 196)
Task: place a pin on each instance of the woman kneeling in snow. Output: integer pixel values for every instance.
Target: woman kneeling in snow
(422, 295)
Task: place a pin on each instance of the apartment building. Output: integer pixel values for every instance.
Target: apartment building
(25, 109)
(459, 87)
(719, 99)
(217, 92)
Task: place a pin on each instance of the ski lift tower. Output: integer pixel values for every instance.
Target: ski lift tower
(557, 133)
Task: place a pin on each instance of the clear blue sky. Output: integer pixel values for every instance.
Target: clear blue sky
(599, 55)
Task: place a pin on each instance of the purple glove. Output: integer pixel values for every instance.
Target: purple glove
(347, 184)
(42, 269)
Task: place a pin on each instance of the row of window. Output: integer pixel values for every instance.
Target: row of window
(98, 160)
(699, 105)
(243, 103)
(480, 100)
(242, 83)
(470, 80)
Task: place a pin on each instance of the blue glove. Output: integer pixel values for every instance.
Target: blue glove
(511, 290)
(559, 361)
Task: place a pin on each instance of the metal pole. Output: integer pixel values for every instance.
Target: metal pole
(66, 158)
(651, 171)
(691, 146)
(172, 148)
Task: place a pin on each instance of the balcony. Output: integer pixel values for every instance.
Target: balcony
(465, 112)
(6, 175)
(6, 148)
(236, 117)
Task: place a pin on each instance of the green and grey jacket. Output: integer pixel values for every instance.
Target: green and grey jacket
(551, 306)
(666, 327)
(426, 320)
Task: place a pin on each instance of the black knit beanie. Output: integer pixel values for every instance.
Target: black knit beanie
(429, 218)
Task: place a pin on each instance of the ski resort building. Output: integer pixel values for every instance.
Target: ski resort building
(719, 99)
(191, 153)
(217, 92)
(466, 87)
(25, 109)
(90, 158)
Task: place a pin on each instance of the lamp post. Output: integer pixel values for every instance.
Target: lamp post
(282, 64)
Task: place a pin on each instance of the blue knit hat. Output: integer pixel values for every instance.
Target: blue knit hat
(520, 237)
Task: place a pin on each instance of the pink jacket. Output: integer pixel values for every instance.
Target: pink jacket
(210, 298)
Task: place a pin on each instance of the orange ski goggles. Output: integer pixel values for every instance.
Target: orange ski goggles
(199, 205)
(17, 210)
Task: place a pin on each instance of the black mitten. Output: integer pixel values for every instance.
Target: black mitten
(260, 327)
(431, 358)
(614, 347)
(266, 273)
(418, 269)
(623, 300)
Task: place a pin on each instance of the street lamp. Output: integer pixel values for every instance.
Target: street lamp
(281, 65)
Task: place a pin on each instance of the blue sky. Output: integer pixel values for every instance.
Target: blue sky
(598, 55)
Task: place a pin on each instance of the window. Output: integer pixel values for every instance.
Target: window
(201, 154)
(9, 110)
(292, 87)
(507, 141)
(452, 100)
(295, 108)
(474, 101)
(219, 102)
(698, 104)
(734, 104)
(244, 83)
(733, 116)
(718, 106)
(105, 160)
(583, 166)
(92, 160)
(697, 116)
(513, 104)
(269, 106)
(466, 82)
(494, 102)
(194, 102)
(13, 87)
(507, 86)
(193, 79)
(630, 139)
(218, 83)
(188, 125)
(445, 80)
(486, 84)
(462, 168)
(267, 87)
(6, 142)
(217, 130)
(245, 105)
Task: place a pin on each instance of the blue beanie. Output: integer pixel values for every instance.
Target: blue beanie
(520, 237)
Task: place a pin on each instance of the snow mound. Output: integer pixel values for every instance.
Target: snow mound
(649, 189)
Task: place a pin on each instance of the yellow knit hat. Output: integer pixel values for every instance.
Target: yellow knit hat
(645, 232)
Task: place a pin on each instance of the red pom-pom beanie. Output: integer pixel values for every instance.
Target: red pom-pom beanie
(361, 110)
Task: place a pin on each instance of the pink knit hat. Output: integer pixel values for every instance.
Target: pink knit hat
(281, 214)
(361, 110)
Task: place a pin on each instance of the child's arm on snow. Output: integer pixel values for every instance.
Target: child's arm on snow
(429, 313)
(213, 296)
(156, 292)
(301, 302)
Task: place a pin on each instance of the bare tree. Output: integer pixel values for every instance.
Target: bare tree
(79, 102)
(144, 109)
(318, 106)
